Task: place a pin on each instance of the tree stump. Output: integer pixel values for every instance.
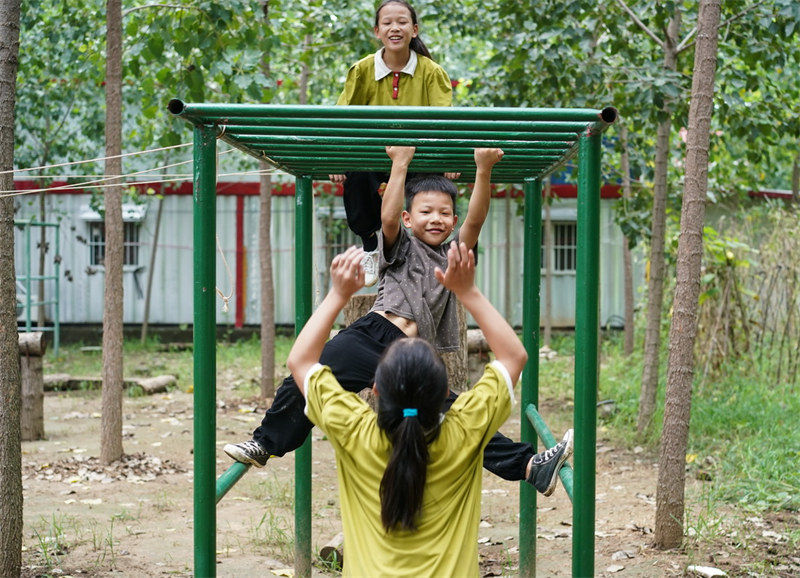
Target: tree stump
(333, 551)
(31, 349)
(455, 361)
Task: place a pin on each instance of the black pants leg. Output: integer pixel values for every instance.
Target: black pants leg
(362, 205)
(352, 355)
(503, 456)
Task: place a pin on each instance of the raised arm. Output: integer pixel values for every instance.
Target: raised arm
(478, 208)
(502, 340)
(347, 277)
(394, 195)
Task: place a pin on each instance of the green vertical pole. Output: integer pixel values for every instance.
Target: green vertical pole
(57, 289)
(29, 273)
(530, 377)
(303, 304)
(205, 370)
(586, 358)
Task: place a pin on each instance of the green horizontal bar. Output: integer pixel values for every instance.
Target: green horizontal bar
(37, 277)
(431, 133)
(497, 178)
(312, 148)
(398, 141)
(229, 478)
(25, 223)
(268, 125)
(204, 112)
(565, 473)
(418, 160)
(423, 153)
(385, 167)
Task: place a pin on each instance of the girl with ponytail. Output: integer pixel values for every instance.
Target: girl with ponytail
(410, 476)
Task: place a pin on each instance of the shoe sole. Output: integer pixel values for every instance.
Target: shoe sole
(237, 455)
(568, 437)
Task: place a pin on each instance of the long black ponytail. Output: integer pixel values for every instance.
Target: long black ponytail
(412, 386)
(417, 45)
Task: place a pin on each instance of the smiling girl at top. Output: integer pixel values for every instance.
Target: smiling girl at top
(400, 73)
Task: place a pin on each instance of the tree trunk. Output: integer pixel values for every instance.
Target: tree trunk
(680, 368)
(111, 420)
(548, 266)
(655, 286)
(627, 264)
(267, 286)
(10, 451)
(265, 259)
(150, 272)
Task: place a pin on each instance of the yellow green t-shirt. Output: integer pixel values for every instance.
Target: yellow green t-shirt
(429, 85)
(446, 540)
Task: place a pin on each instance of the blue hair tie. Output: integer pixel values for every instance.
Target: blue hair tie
(410, 412)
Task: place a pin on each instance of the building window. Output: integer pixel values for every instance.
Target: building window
(564, 252)
(97, 243)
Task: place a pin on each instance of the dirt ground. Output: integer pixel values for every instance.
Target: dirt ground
(135, 518)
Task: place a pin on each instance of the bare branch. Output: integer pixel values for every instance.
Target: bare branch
(143, 6)
(641, 24)
(686, 44)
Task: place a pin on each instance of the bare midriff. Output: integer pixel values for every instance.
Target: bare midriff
(407, 326)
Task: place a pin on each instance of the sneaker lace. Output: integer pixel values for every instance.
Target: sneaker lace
(253, 446)
(547, 455)
(370, 264)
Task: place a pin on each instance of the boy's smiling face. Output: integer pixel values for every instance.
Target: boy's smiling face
(432, 217)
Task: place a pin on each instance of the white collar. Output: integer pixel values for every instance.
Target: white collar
(381, 70)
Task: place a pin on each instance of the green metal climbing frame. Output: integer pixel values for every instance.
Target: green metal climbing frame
(25, 281)
(311, 142)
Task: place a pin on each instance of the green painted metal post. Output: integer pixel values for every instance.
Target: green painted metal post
(57, 292)
(530, 377)
(29, 273)
(205, 366)
(586, 355)
(303, 304)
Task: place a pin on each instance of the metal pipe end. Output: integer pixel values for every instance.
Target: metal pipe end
(176, 106)
(609, 114)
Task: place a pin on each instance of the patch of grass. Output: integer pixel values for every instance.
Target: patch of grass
(744, 433)
(269, 489)
(274, 531)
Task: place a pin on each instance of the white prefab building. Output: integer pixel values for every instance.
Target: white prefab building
(82, 249)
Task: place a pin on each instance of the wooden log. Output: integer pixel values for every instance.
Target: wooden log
(357, 307)
(456, 361)
(333, 551)
(66, 382)
(32, 344)
(157, 384)
(31, 347)
(476, 342)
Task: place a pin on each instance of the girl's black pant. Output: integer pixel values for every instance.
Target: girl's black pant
(353, 356)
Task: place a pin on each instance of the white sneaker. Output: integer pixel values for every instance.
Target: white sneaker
(370, 264)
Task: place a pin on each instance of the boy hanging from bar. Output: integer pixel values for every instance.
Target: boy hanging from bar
(410, 303)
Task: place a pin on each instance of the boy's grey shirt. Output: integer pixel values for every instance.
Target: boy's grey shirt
(409, 289)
